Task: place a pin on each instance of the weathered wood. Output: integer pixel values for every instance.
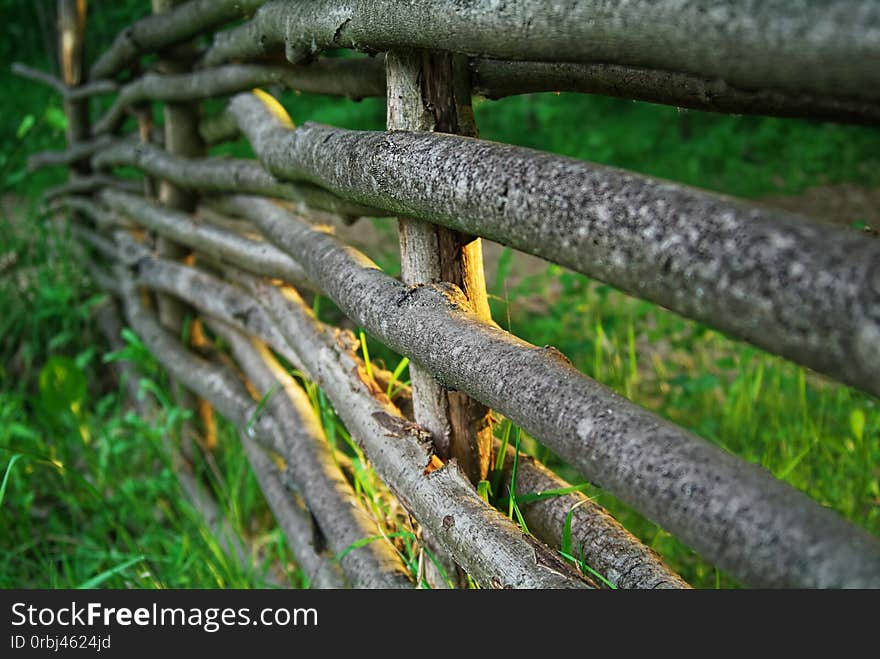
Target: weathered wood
(596, 537)
(228, 175)
(259, 257)
(734, 513)
(798, 288)
(421, 96)
(71, 35)
(223, 389)
(814, 46)
(157, 32)
(77, 93)
(351, 78)
(604, 543)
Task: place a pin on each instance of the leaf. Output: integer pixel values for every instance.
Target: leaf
(97, 580)
(857, 424)
(9, 467)
(25, 126)
(56, 119)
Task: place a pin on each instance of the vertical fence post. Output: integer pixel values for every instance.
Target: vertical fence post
(431, 92)
(182, 138)
(71, 44)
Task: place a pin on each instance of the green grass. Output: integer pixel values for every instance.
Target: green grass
(88, 497)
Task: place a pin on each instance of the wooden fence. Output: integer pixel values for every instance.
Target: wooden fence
(236, 241)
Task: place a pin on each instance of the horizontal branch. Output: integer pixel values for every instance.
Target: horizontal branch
(801, 289)
(76, 153)
(259, 257)
(219, 128)
(159, 31)
(596, 537)
(366, 565)
(77, 93)
(88, 184)
(734, 513)
(220, 175)
(318, 479)
(293, 518)
(797, 46)
(485, 543)
(353, 78)
(499, 78)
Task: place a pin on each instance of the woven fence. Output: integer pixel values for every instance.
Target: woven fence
(237, 243)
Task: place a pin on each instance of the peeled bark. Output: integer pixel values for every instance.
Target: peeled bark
(421, 96)
(71, 33)
(801, 289)
(157, 32)
(813, 46)
(734, 513)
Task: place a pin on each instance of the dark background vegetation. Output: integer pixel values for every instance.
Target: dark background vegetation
(87, 496)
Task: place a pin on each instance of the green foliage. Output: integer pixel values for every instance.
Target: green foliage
(89, 498)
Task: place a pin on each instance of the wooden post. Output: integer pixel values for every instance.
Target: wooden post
(431, 92)
(71, 44)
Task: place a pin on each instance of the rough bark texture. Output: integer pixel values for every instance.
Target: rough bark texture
(352, 78)
(259, 257)
(485, 543)
(317, 476)
(159, 31)
(734, 513)
(804, 290)
(421, 96)
(596, 536)
(367, 564)
(816, 46)
(498, 79)
(294, 520)
(221, 175)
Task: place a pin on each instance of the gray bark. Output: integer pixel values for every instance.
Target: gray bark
(294, 520)
(91, 183)
(734, 513)
(596, 536)
(231, 399)
(78, 93)
(160, 31)
(814, 46)
(259, 257)
(803, 290)
(75, 154)
(486, 544)
(318, 478)
(498, 79)
(219, 128)
(353, 78)
(421, 96)
(221, 175)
